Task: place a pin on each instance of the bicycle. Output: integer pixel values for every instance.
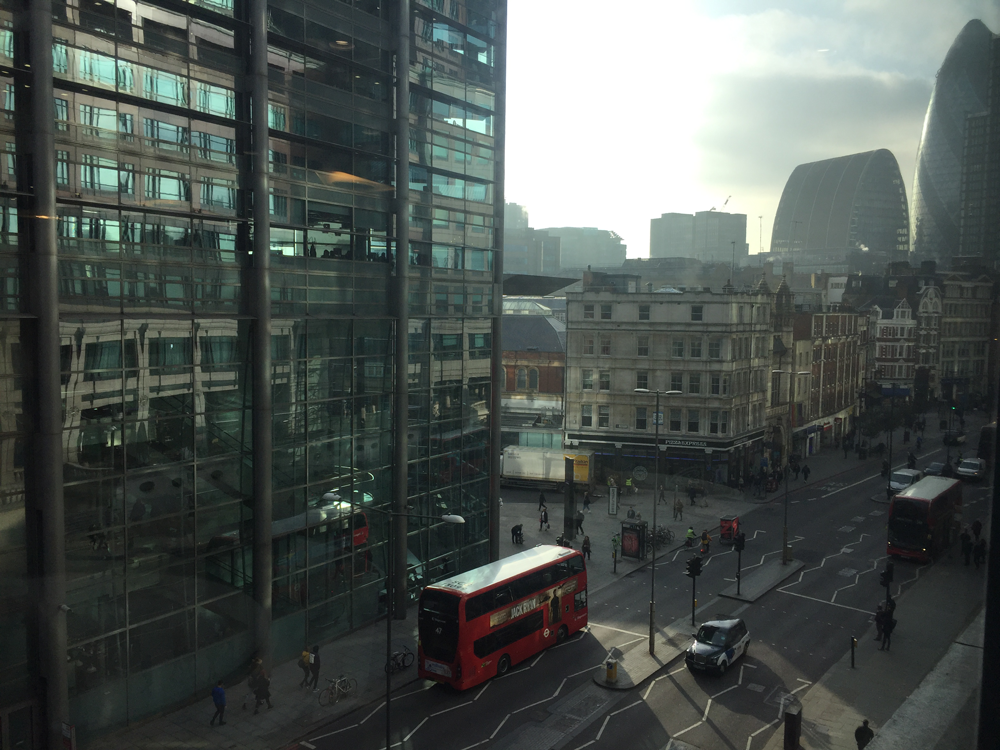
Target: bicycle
(339, 688)
(663, 536)
(399, 660)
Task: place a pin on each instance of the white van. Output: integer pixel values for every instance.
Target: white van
(903, 478)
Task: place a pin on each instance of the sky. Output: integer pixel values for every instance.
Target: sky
(619, 112)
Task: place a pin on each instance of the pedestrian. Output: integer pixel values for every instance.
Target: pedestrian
(219, 699)
(314, 664)
(692, 492)
(887, 628)
(977, 528)
(585, 547)
(543, 519)
(863, 735)
(628, 486)
(663, 496)
(879, 621)
(979, 553)
(911, 460)
(678, 510)
(579, 521)
(304, 666)
(797, 469)
(261, 691)
(805, 472)
(586, 501)
(517, 534)
(966, 545)
(256, 667)
(920, 442)
(541, 500)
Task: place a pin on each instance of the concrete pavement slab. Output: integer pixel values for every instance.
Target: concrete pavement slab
(761, 579)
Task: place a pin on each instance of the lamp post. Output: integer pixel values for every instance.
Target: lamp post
(333, 497)
(656, 484)
(788, 448)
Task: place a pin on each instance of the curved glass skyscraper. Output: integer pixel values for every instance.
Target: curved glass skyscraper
(832, 206)
(960, 90)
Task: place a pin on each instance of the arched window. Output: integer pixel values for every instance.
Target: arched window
(533, 379)
(522, 379)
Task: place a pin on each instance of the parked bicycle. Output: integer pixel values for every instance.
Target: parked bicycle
(399, 660)
(659, 538)
(339, 688)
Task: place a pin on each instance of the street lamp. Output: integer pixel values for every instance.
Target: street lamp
(788, 448)
(333, 497)
(657, 418)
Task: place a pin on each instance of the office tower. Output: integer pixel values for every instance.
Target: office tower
(515, 216)
(960, 90)
(709, 236)
(832, 208)
(581, 247)
(233, 355)
(671, 235)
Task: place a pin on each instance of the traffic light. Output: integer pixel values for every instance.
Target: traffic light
(693, 567)
(885, 578)
(740, 542)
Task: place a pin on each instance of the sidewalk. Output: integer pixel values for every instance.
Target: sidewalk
(934, 614)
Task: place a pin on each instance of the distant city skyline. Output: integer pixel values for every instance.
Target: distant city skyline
(729, 98)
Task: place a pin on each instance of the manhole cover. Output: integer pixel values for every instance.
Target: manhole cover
(846, 529)
(755, 687)
(847, 572)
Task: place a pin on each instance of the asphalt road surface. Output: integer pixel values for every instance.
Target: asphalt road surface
(798, 630)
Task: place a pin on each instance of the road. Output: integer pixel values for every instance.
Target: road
(798, 630)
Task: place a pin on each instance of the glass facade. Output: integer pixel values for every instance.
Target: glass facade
(961, 88)
(156, 330)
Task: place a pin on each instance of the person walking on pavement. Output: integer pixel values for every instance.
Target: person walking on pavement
(966, 545)
(586, 501)
(304, 666)
(805, 472)
(977, 529)
(979, 553)
(543, 519)
(692, 492)
(887, 628)
(261, 691)
(219, 699)
(678, 510)
(585, 547)
(314, 665)
(920, 442)
(663, 496)
(911, 461)
(256, 668)
(541, 500)
(579, 521)
(796, 468)
(879, 621)
(863, 735)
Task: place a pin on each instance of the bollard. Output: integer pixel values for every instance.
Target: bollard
(854, 645)
(612, 670)
(793, 726)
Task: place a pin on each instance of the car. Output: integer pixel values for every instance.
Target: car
(717, 644)
(934, 470)
(972, 469)
(903, 478)
(954, 437)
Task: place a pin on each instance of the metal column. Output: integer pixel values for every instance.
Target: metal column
(260, 309)
(496, 343)
(401, 302)
(44, 470)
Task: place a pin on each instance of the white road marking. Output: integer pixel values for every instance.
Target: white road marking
(537, 658)
(823, 601)
(683, 731)
(627, 632)
(708, 706)
(307, 745)
(407, 737)
(731, 687)
(498, 728)
(482, 691)
(446, 710)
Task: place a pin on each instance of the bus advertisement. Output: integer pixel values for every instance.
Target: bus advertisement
(921, 518)
(478, 624)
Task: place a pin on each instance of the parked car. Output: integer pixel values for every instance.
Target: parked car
(954, 437)
(973, 469)
(934, 469)
(903, 478)
(717, 644)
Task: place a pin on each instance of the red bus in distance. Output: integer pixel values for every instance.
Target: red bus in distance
(921, 518)
(480, 623)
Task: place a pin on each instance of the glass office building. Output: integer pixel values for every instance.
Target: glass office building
(961, 88)
(201, 335)
(834, 206)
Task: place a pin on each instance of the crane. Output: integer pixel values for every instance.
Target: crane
(723, 205)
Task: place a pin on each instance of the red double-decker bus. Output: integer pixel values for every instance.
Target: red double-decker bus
(478, 624)
(921, 518)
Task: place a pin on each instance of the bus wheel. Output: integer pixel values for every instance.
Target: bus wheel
(561, 634)
(503, 666)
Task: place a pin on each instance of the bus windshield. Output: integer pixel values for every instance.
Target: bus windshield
(908, 522)
(438, 624)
